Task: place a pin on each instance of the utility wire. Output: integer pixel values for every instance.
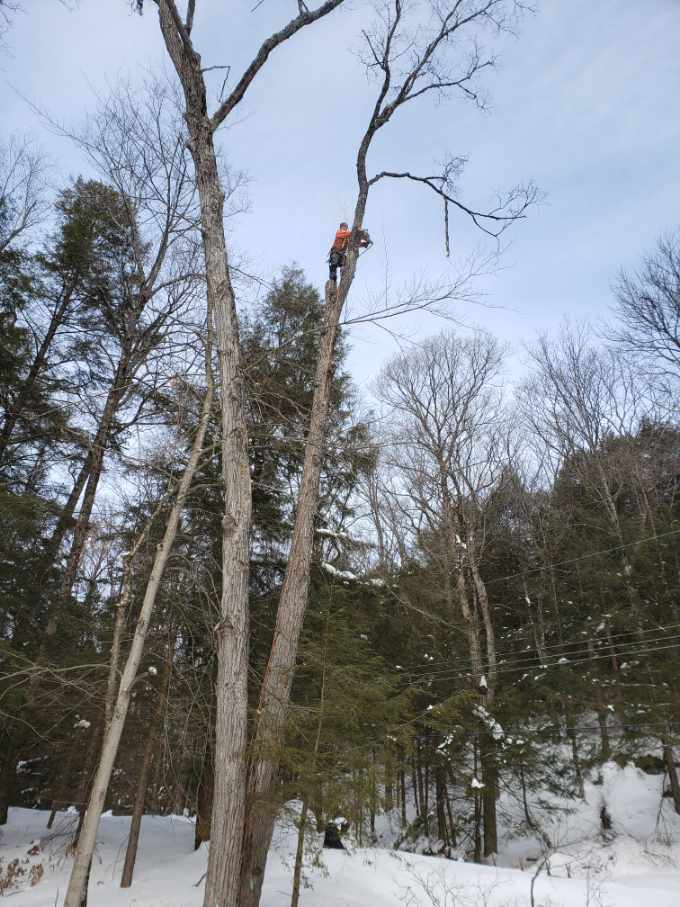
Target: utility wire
(583, 557)
(563, 646)
(542, 667)
(519, 658)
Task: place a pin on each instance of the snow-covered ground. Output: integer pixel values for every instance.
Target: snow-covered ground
(638, 867)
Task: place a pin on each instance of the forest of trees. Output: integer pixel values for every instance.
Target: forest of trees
(229, 581)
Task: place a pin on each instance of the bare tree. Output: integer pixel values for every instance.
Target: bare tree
(448, 448)
(22, 190)
(232, 631)
(7, 10)
(137, 143)
(578, 396)
(648, 307)
(414, 54)
(150, 748)
(578, 400)
(22, 208)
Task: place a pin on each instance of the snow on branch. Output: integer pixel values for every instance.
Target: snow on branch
(339, 574)
(492, 725)
(346, 576)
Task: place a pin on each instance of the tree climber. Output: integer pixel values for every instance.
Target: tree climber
(336, 256)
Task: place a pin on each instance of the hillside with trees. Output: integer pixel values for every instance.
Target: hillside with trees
(434, 615)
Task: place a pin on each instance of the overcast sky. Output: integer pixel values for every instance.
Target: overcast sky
(585, 101)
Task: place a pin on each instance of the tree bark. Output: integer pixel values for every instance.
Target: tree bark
(415, 783)
(571, 733)
(373, 804)
(232, 632)
(426, 800)
(299, 854)
(138, 811)
(605, 746)
(278, 678)
(478, 808)
(449, 810)
(77, 887)
(204, 799)
(669, 759)
(482, 602)
(66, 515)
(388, 769)
(147, 761)
(440, 795)
(121, 615)
(99, 447)
(487, 753)
(7, 776)
(402, 794)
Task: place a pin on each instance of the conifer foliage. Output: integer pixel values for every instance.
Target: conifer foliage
(236, 587)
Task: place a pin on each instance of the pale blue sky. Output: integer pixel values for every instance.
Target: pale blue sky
(585, 101)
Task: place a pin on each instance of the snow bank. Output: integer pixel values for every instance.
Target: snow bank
(640, 864)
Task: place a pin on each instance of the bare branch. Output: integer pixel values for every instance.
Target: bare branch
(648, 306)
(509, 209)
(304, 18)
(191, 9)
(429, 296)
(22, 190)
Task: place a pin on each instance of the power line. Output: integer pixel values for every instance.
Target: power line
(583, 557)
(543, 666)
(523, 573)
(519, 658)
(563, 646)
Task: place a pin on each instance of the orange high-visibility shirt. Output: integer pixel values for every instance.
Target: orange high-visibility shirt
(341, 240)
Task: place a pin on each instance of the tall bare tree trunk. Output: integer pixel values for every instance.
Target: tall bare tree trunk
(66, 514)
(402, 793)
(98, 450)
(231, 720)
(300, 850)
(7, 780)
(299, 854)
(478, 807)
(570, 723)
(86, 842)
(440, 799)
(204, 798)
(488, 759)
(669, 759)
(417, 789)
(121, 614)
(449, 810)
(388, 777)
(232, 632)
(278, 678)
(147, 761)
